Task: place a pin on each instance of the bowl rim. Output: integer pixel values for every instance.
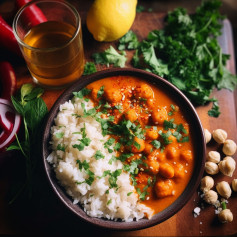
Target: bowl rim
(200, 151)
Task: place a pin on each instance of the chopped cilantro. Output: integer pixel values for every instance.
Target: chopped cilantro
(113, 178)
(110, 56)
(99, 155)
(112, 159)
(156, 144)
(59, 135)
(83, 92)
(89, 68)
(165, 137)
(214, 111)
(110, 200)
(100, 92)
(128, 194)
(117, 146)
(61, 147)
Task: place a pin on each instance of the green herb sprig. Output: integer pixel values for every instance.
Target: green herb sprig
(29, 104)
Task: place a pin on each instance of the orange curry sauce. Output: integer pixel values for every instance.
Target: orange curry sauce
(159, 148)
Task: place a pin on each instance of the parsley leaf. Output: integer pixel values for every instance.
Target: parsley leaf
(99, 155)
(89, 68)
(83, 92)
(110, 56)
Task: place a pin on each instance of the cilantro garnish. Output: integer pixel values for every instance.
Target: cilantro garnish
(59, 135)
(110, 200)
(130, 39)
(61, 147)
(83, 92)
(100, 92)
(85, 165)
(110, 56)
(85, 141)
(89, 68)
(156, 144)
(99, 155)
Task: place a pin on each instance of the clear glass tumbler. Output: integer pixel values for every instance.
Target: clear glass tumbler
(50, 37)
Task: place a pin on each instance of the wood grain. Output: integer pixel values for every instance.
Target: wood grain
(53, 218)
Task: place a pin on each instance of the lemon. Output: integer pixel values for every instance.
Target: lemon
(109, 20)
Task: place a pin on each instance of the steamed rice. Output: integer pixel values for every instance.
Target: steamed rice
(71, 167)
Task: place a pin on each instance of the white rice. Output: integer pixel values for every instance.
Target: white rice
(98, 199)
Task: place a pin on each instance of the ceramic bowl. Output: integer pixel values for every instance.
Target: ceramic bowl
(199, 148)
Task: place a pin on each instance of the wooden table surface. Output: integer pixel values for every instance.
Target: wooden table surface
(49, 216)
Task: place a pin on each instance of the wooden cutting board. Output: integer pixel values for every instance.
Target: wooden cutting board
(49, 216)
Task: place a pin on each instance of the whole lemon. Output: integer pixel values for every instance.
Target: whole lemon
(109, 20)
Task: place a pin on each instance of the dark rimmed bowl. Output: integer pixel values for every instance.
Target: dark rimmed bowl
(196, 131)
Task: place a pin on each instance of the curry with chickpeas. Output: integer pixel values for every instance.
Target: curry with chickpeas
(151, 136)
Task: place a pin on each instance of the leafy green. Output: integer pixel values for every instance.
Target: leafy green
(100, 92)
(214, 111)
(83, 92)
(99, 155)
(110, 56)
(33, 110)
(129, 40)
(89, 68)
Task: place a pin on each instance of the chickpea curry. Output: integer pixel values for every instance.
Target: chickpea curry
(151, 136)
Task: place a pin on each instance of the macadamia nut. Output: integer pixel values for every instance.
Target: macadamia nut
(227, 166)
(211, 168)
(207, 183)
(214, 156)
(210, 197)
(229, 147)
(234, 185)
(207, 135)
(225, 216)
(223, 188)
(219, 135)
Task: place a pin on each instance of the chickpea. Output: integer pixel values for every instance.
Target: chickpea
(138, 145)
(150, 103)
(207, 183)
(144, 91)
(211, 168)
(172, 153)
(179, 171)
(160, 156)
(227, 166)
(219, 135)
(148, 148)
(229, 147)
(214, 156)
(207, 135)
(159, 116)
(234, 185)
(223, 188)
(164, 188)
(131, 115)
(166, 170)
(151, 133)
(153, 166)
(210, 197)
(186, 155)
(153, 155)
(225, 216)
(113, 95)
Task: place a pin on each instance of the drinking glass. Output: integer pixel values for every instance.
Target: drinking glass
(50, 38)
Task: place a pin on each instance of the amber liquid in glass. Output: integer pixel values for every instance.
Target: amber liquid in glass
(55, 58)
